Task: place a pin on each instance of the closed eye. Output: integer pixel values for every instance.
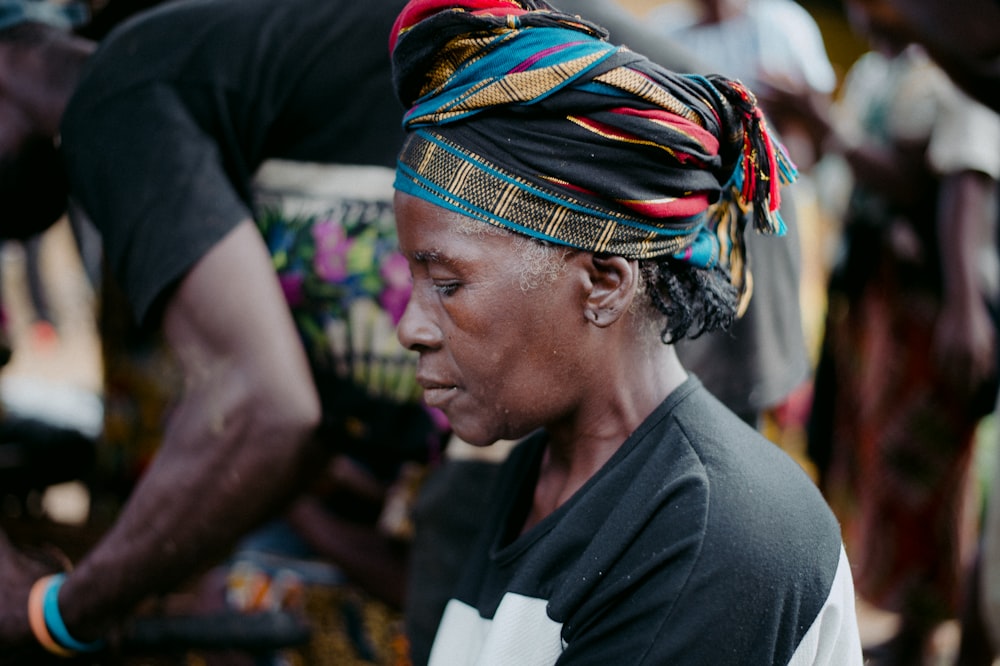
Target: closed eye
(439, 269)
(447, 288)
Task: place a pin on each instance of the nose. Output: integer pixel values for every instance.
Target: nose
(416, 330)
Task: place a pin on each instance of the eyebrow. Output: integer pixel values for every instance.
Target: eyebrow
(432, 257)
(424, 255)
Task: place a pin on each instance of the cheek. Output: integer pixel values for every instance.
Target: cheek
(513, 369)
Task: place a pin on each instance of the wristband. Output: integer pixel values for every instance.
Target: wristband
(36, 618)
(54, 621)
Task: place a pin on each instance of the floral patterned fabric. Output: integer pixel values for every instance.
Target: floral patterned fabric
(332, 236)
(347, 286)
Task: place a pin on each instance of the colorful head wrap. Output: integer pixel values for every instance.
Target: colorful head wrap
(524, 117)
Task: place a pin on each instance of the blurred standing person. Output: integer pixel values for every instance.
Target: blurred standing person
(908, 364)
(963, 38)
(761, 43)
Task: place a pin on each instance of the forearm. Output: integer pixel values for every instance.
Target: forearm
(209, 485)
(881, 168)
(366, 555)
(233, 448)
(966, 220)
(964, 341)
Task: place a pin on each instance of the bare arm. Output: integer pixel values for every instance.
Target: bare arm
(370, 558)
(233, 450)
(896, 171)
(964, 342)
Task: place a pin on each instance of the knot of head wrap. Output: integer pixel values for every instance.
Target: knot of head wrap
(527, 118)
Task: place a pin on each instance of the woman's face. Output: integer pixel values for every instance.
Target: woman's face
(498, 360)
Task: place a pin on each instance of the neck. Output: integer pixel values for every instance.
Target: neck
(577, 451)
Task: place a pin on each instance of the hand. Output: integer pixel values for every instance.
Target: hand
(964, 344)
(787, 101)
(18, 573)
(344, 475)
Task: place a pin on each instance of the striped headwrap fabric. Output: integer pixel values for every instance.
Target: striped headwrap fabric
(527, 118)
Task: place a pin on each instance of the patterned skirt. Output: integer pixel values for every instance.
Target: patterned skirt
(894, 440)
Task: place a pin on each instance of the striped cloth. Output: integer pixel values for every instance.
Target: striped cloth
(527, 118)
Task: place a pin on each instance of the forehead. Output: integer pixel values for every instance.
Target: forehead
(430, 233)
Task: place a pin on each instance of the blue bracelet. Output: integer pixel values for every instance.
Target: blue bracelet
(54, 621)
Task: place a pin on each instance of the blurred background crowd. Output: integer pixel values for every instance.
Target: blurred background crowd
(871, 344)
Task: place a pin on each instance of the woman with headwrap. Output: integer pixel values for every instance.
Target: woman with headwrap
(568, 210)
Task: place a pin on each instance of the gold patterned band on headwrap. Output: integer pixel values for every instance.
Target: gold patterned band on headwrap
(430, 164)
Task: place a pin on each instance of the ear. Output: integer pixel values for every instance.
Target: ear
(613, 285)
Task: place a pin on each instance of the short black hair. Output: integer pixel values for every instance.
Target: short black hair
(694, 300)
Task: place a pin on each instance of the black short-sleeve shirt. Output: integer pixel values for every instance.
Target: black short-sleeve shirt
(180, 105)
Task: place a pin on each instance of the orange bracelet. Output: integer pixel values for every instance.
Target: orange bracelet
(36, 618)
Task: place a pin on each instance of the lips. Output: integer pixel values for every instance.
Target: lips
(436, 391)
(428, 383)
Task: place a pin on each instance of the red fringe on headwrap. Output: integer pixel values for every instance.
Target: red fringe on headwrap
(415, 12)
(765, 164)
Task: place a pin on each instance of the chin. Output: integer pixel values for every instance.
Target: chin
(474, 439)
(483, 439)
(473, 436)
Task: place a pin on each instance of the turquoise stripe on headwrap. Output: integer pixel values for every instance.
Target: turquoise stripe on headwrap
(541, 212)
